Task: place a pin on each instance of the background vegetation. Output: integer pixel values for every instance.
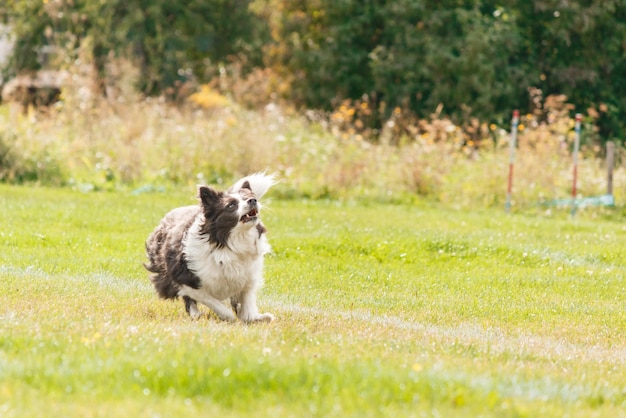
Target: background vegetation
(150, 145)
(390, 99)
(414, 308)
(476, 58)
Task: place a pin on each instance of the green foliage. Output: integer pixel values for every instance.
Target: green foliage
(168, 41)
(578, 49)
(27, 36)
(476, 58)
(325, 46)
(462, 59)
(382, 310)
(455, 56)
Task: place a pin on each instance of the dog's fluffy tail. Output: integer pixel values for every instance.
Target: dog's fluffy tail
(259, 183)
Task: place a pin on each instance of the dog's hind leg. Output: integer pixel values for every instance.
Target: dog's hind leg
(191, 307)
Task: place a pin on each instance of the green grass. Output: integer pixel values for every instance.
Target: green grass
(382, 310)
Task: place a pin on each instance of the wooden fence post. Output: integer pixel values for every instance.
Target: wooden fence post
(610, 161)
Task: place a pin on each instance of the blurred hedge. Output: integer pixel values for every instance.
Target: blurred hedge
(463, 58)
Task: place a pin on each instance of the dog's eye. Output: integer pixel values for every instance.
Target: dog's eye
(232, 205)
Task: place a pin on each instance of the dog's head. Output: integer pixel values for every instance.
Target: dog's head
(237, 209)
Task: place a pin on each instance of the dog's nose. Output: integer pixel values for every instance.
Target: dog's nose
(252, 202)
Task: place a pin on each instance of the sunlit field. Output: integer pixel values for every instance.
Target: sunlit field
(406, 309)
(447, 229)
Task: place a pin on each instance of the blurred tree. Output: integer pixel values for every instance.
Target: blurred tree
(450, 54)
(323, 46)
(578, 48)
(407, 53)
(476, 58)
(168, 40)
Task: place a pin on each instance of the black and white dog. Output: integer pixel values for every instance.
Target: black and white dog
(214, 251)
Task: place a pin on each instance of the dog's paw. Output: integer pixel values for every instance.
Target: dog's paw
(227, 318)
(194, 312)
(265, 317)
(195, 315)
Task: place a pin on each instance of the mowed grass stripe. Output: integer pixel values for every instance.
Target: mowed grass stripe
(92, 292)
(98, 372)
(490, 340)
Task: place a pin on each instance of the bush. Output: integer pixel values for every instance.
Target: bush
(22, 164)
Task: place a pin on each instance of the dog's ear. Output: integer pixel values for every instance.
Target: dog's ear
(208, 196)
(246, 185)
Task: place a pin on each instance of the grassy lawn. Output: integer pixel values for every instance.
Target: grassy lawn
(382, 310)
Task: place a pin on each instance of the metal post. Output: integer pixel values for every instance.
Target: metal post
(575, 161)
(512, 145)
(610, 161)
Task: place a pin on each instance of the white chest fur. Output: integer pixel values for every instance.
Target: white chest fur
(229, 270)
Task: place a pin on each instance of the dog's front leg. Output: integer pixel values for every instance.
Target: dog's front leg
(248, 311)
(222, 311)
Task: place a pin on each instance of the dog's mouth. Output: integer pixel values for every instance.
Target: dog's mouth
(250, 216)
